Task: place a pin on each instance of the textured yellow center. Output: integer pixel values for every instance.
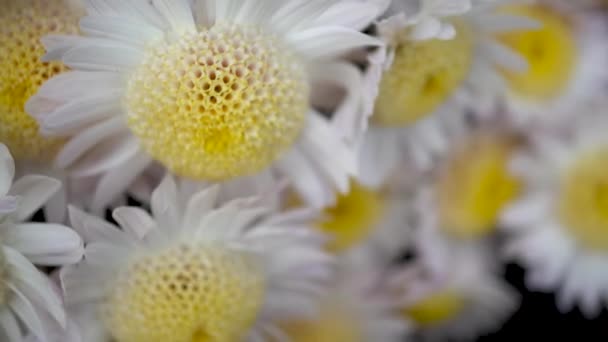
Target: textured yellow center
(475, 185)
(423, 76)
(22, 24)
(583, 199)
(352, 218)
(218, 104)
(436, 308)
(551, 52)
(188, 293)
(334, 323)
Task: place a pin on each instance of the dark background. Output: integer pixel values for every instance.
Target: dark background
(538, 318)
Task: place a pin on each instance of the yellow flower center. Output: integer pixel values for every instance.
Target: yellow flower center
(424, 75)
(551, 52)
(583, 199)
(23, 23)
(187, 293)
(475, 185)
(436, 308)
(220, 103)
(334, 323)
(352, 218)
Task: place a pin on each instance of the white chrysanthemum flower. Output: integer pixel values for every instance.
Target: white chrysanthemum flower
(194, 271)
(558, 230)
(431, 85)
(452, 292)
(24, 23)
(213, 90)
(356, 309)
(26, 294)
(566, 57)
(472, 184)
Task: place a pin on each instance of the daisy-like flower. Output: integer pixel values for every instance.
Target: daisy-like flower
(27, 297)
(431, 84)
(24, 23)
(558, 228)
(194, 271)
(565, 55)
(452, 292)
(355, 310)
(358, 216)
(213, 90)
(471, 186)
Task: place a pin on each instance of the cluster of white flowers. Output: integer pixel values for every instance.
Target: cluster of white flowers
(256, 170)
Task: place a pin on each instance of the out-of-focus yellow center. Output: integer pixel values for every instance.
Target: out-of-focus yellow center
(551, 52)
(220, 103)
(334, 323)
(436, 308)
(187, 293)
(475, 185)
(352, 218)
(22, 24)
(583, 199)
(424, 75)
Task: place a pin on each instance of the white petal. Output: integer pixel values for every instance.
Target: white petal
(95, 229)
(116, 181)
(329, 41)
(33, 192)
(46, 243)
(178, 13)
(10, 327)
(26, 312)
(164, 205)
(7, 170)
(103, 56)
(35, 285)
(112, 27)
(134, 221)
(199, 205)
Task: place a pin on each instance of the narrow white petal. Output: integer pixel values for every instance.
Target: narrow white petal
(86, 140)
(199, 205)
(108, 155)
(112, 27)
(33, 192)
(329, 41)
(356, 15)
(164, 205)
(7, 170)
(178, 13)
(45, 243)
(116, 181)
(134, 221)
(35, 285)
(103, 56)
(299, 14)
(10, 326)
(26, 312)
(94, 229)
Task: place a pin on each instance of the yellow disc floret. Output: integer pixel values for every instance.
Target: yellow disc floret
(353, 217)
(187, 293)
(583, 199)
(23, 23)
(424, 75)
(217, 104)
(551, 53)
(436, 308)
(475, 185)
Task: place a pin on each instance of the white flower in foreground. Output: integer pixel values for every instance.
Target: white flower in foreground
(213, 90)
(566, 55)
(559, 228)
(194, 271)
(430, 86)
(27, 297)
